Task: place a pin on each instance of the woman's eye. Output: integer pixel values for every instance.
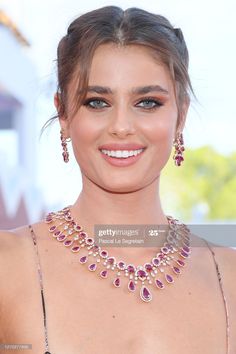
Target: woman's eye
(94, 103)
(150, 104)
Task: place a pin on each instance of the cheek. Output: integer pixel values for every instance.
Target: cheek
(161, 130)
(160, 134)
(84, 132)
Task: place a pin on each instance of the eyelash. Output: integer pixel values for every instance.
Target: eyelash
(150, 99)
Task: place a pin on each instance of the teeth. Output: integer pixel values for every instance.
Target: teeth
(122, 153)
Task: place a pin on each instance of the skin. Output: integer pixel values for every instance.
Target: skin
(189, 317)
(127, 195)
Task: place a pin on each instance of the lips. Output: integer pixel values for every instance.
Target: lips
(124, 146)
(122, 162)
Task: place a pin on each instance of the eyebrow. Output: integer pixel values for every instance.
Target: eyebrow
(136, 90)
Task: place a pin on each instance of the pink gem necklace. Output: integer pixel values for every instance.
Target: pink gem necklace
(171, 256)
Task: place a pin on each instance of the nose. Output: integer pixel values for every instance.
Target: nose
(121, 122)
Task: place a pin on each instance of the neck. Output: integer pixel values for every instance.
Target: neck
(96, 206)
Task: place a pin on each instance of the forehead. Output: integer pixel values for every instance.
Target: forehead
(127, 67)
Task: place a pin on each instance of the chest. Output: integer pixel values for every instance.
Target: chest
(87, 315)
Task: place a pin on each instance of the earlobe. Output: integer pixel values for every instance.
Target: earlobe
(57, 101)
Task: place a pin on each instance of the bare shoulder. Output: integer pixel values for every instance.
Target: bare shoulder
(226, 257)
(226, 261)
(10, 239)
(15, 243)
(16, 252)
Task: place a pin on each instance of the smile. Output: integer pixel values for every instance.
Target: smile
(122, 158)
(122, 153)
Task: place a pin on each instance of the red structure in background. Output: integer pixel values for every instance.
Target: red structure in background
(20, 218)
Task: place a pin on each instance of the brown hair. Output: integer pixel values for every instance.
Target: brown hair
(111, 24)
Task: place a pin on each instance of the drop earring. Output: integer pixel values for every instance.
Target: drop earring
(65, 152)
(179, 149)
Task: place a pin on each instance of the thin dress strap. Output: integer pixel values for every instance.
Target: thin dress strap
(223, 295)
(41, 286)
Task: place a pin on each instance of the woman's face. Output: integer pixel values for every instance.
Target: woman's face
(118, 111)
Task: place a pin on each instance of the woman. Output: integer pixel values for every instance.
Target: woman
(122, 100)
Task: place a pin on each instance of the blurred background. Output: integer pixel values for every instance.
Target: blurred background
(33, 177)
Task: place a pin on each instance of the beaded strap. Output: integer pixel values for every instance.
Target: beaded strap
(41, 288)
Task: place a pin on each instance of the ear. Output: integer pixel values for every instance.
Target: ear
(184, 113)
(62, 120)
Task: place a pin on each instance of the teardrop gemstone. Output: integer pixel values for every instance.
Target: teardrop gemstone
(169, 278)
(75, 248)
(186, 249)
(62, 237)
(68, 243)
(56, 233)
(116, 282)
(92, 267)
(184, 254)
(159, 284)
(180, 262)
(52, 228)
(131, 285)
(176, 270)
(103, 273)
(83, 259)
(145, 294)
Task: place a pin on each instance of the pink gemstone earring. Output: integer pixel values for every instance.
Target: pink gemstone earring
(64, 141)
(179, 149)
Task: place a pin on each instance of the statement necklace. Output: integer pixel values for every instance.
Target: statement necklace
(160, 271)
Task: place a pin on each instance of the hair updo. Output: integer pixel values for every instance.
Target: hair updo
(111, 24)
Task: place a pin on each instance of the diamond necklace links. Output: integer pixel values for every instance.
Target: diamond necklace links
(159, 271)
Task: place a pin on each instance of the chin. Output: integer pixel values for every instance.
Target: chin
(122, 188)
